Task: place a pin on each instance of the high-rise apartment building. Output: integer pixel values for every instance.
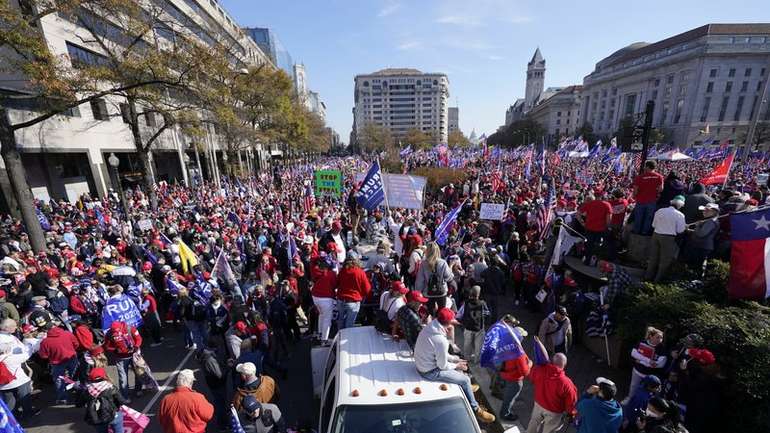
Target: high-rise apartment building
(454, 119)
(402, 99)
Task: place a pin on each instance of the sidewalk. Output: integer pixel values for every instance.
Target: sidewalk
(582, 367)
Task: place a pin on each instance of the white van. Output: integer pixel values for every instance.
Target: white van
(370, 385)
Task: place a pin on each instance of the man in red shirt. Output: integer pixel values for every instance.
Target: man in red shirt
(555, 394)
(59, 348)
(647, 187)
(513, 373)
(595, 216)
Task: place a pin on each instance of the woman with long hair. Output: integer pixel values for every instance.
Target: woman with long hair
(354, 286)
(433, 278)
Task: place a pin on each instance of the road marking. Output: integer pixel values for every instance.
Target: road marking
(162, 389)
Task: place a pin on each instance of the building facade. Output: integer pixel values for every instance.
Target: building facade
(66, 155)
(454, 119)
(402, 99)
(712, 78)
(271, 45)
(535, 80)
(558, 111)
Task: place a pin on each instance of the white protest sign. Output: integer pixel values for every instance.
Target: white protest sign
(145, 224)
(492, 211)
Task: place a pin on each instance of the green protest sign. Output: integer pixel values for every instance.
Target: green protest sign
(328, 182)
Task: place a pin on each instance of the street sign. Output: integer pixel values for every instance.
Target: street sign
(328, 182)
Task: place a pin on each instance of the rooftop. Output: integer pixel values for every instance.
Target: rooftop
(395, 72)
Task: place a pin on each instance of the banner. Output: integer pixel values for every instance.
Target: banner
(371, 193)
(403, 190)
(328, 182)
(500, 344)
(121, 309)
(492, 211)
(442, 231)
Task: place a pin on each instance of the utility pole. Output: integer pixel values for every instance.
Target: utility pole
(646, 129)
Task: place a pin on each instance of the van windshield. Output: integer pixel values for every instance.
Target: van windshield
(438, 416)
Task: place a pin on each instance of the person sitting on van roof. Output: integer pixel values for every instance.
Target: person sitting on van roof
(408, 321)
(262, 387)
(434, 363)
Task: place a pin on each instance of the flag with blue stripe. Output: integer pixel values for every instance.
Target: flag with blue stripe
(44, 223)
(372, 191)
(8, 423)
(99, 217)
(235, 423)
(442, 231)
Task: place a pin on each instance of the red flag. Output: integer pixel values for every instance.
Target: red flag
(718, 176)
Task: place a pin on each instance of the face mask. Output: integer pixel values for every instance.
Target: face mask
(651, 414)
(216, 304)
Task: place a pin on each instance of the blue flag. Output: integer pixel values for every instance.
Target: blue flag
(8, 423)
(100, 218)
(442, 231)
(501, 343)
(122, 309)
(44, 223)
(372, 192)
(235, 423)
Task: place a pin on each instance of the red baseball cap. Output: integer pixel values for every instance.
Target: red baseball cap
(96, 374)
(240, 326)
(399, 286)
(445, 316)
(416, 296)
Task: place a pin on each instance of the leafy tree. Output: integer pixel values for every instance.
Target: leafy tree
(374, 138)
(418, 139)
(761, 135)
(587, 131)
(519, 133)
(53, 84)
(458, 139)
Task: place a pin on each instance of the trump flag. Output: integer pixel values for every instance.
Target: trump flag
(750, 255)
(501, 343)
(372, 192)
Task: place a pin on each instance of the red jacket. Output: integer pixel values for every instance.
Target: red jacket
(122, 340)
(324, 282)
(58, 346)
(76, 306)
(153, 304)
(185, 411)
(515, 370)
(85, 338)
(353, 284)
(554, 391)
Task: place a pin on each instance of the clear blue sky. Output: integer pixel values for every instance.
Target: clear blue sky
(482, 45)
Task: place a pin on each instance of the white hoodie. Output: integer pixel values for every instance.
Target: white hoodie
(432, 349)
(14, 353)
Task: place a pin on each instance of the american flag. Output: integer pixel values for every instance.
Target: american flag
(497, 182)
(545, 213)
(235, 423)
(309, 201)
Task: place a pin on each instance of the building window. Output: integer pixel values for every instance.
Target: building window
(738, 109)
(713, 73)
(614, 92)
(99, 109)
(654, 95)
(678, 110)
(667, 92)
(80, 57)
(759, 86)
(657, 82)
(728, 87)
(710, 87)
(664, 112)
(149, 118)
(723, 108)
(124, 113)
(558, 114)
(747, 73)
(704, 114)
(754, 107)
(71, 112)
(630, 105)
(558, 121)
(682, 90)
(744, 86)
(731, 73)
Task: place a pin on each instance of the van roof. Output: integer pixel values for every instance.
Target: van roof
(370, 362)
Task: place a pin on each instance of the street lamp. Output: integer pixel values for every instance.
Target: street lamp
(186, 160)
(114, 163)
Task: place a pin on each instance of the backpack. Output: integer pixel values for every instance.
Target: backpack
(434, 289)
(100, 410)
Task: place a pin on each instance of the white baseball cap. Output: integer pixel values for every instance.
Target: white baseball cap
(247, 368)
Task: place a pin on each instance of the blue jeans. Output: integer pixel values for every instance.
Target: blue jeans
(510, 394)
(123, 365)
(643, 214)
(19, 396)
(347, 312)
(197, 332)
(456, 377)
(66, 368)
(116, 424)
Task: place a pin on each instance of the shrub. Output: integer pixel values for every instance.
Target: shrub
(439, 177)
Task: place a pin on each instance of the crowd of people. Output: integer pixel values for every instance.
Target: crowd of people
(243, 269)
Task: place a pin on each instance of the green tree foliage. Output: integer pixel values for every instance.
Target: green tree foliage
(519, 133)
(458, 140)
(374, 138)
(419, 140)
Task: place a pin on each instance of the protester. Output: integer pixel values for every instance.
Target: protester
(702, 237)
(649, 358)
(636, 405)
(123, 341)
(668, 223)
(555, 331)
(555, 394)
(647, 186)
(102, 402)
(184, 410)
(59, 348)
(513, 373)
(261, 417)
(598, 411)
(408, 319)
(17, 391)
(472, 315)
(261, 387)
(354, 287)
(434, 363)
(432, 278)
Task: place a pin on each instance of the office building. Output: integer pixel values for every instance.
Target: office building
(558, 111)
(270, 44)
(715, 75)
(66, 155)
(402, 99)
(454, 119)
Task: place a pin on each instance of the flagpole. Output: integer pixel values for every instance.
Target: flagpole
(384, 187)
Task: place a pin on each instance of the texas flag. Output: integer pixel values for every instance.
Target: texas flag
(750, 256)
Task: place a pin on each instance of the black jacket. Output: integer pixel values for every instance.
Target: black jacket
(213, 372)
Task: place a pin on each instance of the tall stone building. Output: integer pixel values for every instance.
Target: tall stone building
(535, 80)
(454, 119)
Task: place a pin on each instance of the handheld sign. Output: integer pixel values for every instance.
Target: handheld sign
(328, 182)
(492, 211)
(121, 309)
